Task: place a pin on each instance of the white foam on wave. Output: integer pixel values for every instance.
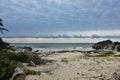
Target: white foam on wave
(61, 49)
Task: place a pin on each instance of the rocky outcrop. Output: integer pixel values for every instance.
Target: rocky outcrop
(21, 49)
(108, 44)
(102, 45)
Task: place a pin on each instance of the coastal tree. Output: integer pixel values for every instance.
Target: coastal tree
(3, 45)
(1, 26)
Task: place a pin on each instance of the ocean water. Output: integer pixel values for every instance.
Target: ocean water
(45, 47)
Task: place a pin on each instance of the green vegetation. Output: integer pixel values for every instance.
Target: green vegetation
(10, 60)
(107, 54)
(7, 65)
(23, 57)
(102, 54)
(65, 60)
(32, 72)
(117, 55)
(116, 45)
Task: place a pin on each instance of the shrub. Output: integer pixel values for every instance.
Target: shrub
(102, 54)
(32, 72)
(64, 60)
(7, 68)
(10, 60)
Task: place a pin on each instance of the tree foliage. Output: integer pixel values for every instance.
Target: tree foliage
(1, 26)
(3, 45)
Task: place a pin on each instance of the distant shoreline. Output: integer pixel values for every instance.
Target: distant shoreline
(54, 40)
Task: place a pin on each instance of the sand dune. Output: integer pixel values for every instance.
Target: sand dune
(76, 66)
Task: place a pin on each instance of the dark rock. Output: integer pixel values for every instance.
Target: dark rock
(27, 48)
(31, 63)
(21, 49)
(102, 45)
(108, 44)
(13, 48)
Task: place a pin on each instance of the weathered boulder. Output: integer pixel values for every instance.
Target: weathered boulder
(31, 63)
(102, 45)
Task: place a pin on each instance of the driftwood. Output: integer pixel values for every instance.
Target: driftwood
(19, 74)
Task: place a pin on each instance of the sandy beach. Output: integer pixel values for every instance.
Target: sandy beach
(76, 66)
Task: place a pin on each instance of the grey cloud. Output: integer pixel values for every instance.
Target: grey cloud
(67, 36)
(37, 6)
(61, 13)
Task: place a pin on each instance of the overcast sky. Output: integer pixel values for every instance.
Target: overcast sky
(61, 17)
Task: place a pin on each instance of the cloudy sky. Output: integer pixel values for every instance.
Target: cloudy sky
(56, 19)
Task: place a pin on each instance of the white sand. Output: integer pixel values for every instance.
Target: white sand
(75, 66)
